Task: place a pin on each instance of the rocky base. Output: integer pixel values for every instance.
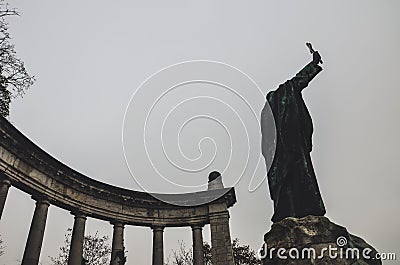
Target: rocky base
(314, 240)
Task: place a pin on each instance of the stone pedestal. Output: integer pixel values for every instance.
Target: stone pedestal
(314, 240)
(221, 244)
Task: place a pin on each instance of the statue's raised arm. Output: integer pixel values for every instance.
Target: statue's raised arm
(291, 178)
(306, 74)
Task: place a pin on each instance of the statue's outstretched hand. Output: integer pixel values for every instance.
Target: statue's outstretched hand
(316, 57)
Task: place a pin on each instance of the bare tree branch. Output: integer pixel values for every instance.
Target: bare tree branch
(96, 250)
(14, 78)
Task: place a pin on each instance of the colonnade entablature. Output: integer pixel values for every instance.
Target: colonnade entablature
(27, 167)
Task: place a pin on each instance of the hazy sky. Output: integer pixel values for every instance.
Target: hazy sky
(90, 57)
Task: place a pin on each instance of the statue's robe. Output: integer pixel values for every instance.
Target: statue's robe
(291, 178)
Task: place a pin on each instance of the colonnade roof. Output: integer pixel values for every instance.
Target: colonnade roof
(36, 172)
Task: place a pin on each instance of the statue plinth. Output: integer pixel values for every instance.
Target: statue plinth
(314, 240)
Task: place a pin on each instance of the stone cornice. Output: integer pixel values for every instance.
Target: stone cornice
(34, 171)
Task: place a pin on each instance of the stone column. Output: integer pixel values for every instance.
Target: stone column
(158, 245)
(118, 249)
(4, 186)
(36, 233)
(221, 245)
(78, 235)
(198, 251)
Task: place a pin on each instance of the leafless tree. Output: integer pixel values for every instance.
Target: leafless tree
(96, 250)
(2, 247)
(242, 254)
(14, 78)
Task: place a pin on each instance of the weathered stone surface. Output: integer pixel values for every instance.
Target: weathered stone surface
(222, 253)
(29, 168)
(315, 240)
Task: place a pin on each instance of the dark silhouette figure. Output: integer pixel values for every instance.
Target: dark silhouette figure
(292, 182)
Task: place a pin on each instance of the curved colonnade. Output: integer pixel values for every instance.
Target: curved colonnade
(27, 167)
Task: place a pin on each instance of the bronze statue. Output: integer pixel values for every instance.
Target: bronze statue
(292, 182)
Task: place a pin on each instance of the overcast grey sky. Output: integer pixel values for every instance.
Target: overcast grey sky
(89, 58)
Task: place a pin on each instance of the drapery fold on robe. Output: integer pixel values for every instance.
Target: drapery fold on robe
(291, 178)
